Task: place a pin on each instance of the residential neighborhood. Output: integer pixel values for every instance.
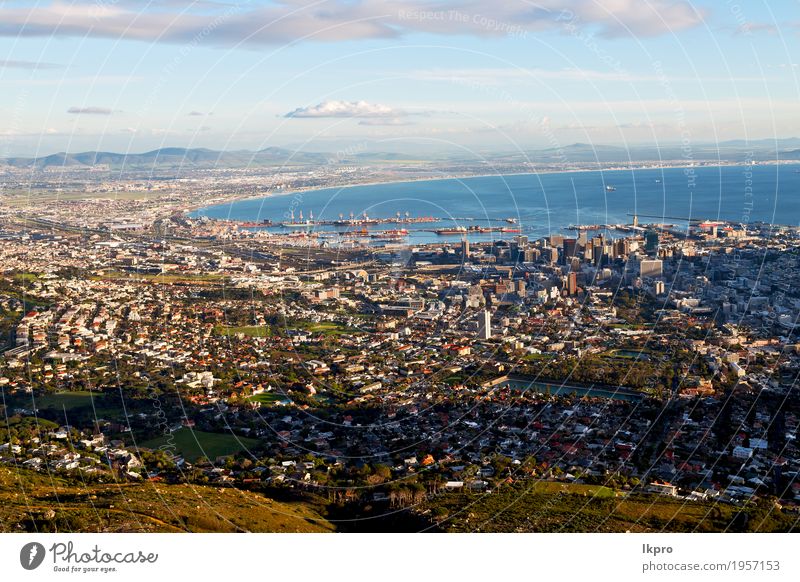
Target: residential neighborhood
(642, 358)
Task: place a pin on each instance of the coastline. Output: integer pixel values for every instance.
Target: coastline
(294, 191)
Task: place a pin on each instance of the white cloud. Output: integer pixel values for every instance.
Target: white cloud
(346, 109)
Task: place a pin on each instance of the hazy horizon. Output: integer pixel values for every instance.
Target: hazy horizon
(374, 148)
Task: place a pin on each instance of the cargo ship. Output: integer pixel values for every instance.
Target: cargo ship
(447, 231)
(301, 224)
(390, 234)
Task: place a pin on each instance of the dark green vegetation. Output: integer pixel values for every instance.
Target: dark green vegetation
(65, 400)
(73, 406)
(30, 502)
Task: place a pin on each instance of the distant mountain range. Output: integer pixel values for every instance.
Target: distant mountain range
(729, 151)
(170, 157)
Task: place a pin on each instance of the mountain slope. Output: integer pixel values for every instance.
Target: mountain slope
(37, 503)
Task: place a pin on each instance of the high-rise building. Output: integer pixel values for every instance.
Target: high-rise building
(621, 248)
(572, 283)
(651, 242)
(530, 255)
(465, 248)
(484, 325)
(651, 268)
(570, 245)
(597, 255)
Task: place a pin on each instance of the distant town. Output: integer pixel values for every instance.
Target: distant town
(637, 361)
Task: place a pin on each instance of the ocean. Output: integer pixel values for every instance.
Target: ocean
(543, 204)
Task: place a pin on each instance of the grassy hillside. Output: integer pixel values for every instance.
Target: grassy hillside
(555, 507)
(35, 502)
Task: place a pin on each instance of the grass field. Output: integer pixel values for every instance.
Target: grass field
(26, 277)
(267, 398)
(26, 498)
(247, 330)
(26, 198)
(327, 327)
(554, 488)
(160, 277)
(324, 327)
(193, 444)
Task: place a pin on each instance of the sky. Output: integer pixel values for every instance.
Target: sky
(394, 75)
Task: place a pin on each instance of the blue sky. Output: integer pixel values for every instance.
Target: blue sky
(480, 75)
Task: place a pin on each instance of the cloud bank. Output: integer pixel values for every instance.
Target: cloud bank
(282, 21)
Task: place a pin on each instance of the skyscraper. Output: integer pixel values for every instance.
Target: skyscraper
(572, 283)
(464, 248)
(484, 325)
(651, 242)
(569, 248)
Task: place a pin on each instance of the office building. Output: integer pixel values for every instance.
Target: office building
(484, 325)
(651, 268)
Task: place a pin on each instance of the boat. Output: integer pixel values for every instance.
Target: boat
(610, 188)
(446, 231)
(302, 223)
(390, 234)
(511, 220)
(306, 224)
